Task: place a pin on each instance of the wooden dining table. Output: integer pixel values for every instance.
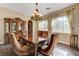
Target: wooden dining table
(40, 42)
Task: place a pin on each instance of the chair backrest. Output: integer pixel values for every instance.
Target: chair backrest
(51, 46)
(28, 50)
(16, 46)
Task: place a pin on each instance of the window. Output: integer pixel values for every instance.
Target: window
(60, 25)
(43, 25)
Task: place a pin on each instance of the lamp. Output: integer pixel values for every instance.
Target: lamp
(36, 14)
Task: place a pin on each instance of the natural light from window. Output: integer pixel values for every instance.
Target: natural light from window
(60, 25)
(43, 25)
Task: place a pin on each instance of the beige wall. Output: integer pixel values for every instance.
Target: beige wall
(7, 13)
(64, 38)
(76, 22)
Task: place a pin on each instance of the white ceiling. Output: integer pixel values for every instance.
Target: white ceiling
(28, 8)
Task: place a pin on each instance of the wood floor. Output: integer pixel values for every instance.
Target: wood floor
(5, 50)
(60, 50)
(65, 50)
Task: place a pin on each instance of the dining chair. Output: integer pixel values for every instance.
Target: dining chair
(50, 47)
(28, 49)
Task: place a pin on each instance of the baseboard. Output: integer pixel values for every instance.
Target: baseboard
(64, 43)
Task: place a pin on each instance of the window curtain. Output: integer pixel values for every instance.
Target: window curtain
(43, 25)
(54, 25)
(70, 15)
(60, 23)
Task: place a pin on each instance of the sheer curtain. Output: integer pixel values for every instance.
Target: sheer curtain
(60, 24)
(43, 25)
(70, 15)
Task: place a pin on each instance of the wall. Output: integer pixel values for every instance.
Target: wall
(64, 38)
(76, 22)
(5, 13)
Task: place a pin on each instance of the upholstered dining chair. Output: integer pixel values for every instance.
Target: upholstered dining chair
(21, 51)
(49, 49)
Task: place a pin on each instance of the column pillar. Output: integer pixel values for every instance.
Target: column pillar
(49, 27)
(35, 31)
(35, 35)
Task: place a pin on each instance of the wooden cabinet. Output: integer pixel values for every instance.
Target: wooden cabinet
(18, 27)
(74, 40)
(15, 25)
(7, 27)
(30, 30)
(43, 34)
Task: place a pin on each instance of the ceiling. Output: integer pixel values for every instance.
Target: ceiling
(28, 8)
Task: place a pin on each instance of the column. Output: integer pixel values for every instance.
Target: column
(35, 35)
(49, 27)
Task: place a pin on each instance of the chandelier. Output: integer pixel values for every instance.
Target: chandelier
(36, 14)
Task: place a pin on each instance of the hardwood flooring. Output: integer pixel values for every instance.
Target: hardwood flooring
(60, 50)
(65, 50)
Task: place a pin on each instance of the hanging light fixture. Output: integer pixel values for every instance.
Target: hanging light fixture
(36, 14)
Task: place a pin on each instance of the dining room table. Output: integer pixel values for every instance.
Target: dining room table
(41, 41)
